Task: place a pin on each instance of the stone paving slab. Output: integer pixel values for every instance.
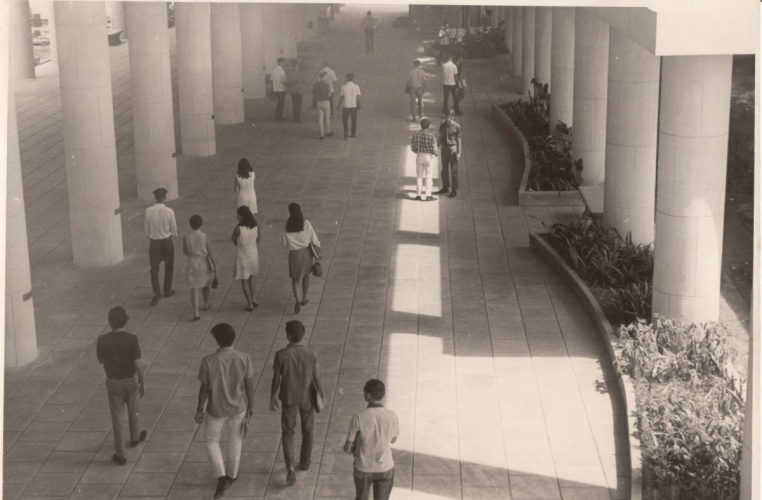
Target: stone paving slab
(501, 385)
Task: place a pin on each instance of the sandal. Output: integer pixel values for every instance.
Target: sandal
(297, 307)
(196, 318)
(249, 308)
(206, 307)
(305, 302)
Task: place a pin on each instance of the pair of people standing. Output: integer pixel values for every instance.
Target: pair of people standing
(289, 79)
(425, 145)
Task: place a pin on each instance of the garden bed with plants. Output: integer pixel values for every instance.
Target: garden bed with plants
(475, 43)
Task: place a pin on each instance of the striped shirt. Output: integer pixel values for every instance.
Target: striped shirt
(424, 142)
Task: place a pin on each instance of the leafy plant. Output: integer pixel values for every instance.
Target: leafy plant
(477, 43)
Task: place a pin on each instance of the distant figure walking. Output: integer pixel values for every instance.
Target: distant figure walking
(200, 268)
(244, 185)
(350, 102)
(444, 42)
(160, 227)
(369, 23)
(321, 96)
(416, 80)
(245, 237)
(299, 234)
(450, 84)
(278, 77)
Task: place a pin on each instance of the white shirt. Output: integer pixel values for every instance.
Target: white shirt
(279, 79)
(377, 427)
(329, 78)
(449, 70)
(302, 239)
(160, 222)
(350, 92)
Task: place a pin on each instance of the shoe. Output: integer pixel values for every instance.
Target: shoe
(297, 307)
(417, 198)
(140, 439)
(305, 302)
(249, 308)
(321, 137)
(330, 134)
(304, 467)
(254, 304)
(169, 294)
(452, 195)
(231, 480)
(196, 318)
(119, 460)
(352, 136)
(155, 299)
(442, 191)
(291, 477)
(222, 485)
(206, 307)
(428, 198)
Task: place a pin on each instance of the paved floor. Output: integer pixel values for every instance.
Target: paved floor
(501, 385)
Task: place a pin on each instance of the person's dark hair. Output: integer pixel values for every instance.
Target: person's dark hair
(247, 218)
(375, 388)
(349, 77)
(425, 123)
(224, 334)
(416, 63)
(195, 221)
(280, 61)
(117, 317)
(369, 13)
(295, 331)
(295, 222)
(322, 74)
(244, 168)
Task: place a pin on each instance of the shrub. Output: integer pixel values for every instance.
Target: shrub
(477, 43)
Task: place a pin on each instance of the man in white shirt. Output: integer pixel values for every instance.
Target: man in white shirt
(450, 84)
(350, 102)
(161, 227)
(444, 42)
(278, 77)
(330, 79)
(369, 23)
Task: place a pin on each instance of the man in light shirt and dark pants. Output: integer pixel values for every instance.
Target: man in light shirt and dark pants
(161, 227)
(350, 103)
(278, 78)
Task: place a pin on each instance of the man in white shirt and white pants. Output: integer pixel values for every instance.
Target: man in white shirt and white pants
(161, 227)
(278, 78)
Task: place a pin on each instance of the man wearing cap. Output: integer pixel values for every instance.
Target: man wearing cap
(119, 353)
(161, 227)
(449, 142)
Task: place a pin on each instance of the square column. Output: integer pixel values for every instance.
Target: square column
(194, 73)
(543, 35)
(508, 33)
(22, 59)
(631, 124)
(227, 63)
(527, 49)
(591, 69)
(288, 29)
(88, 125)
(252, 51)
(517, 42)
(271, 35)
(690, 204)
(153, 120)
(562, 67)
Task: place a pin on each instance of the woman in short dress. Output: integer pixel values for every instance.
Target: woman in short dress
(245, 237)
(299, 234)
(244, 185)
(200, 268)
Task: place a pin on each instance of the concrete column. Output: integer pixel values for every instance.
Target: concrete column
(631, 124)
(116, 11)
(252, 50)
(153, 120)
(227, 63)
(591, 68)
(194, 72)
(22, 58)
(562, 67)
(517, 42)
(88, 126)
(271, 35)
(542, 44)
(494, 17)
(693, 144)
(508, 33)
(750, 481)
(288, 29)
(20, 331)
(527, 49)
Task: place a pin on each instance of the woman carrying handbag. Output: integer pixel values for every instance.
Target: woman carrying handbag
(298, 237)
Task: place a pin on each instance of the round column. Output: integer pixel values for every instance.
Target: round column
(517, 38)
(542, 44)
(494, 16)
(527, 49)
(591, 68)
(271, 35)
(22, 60)
(562, 67)
(153, 121)
(288, 29)
(631, 124)
(508, 33)
(227, 63)
(116, 11)
(20, 332)
(253, 51)
(88, 125)
(693, 146)
(194, 72)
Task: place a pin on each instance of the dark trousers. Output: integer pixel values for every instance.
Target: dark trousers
(447, 90)
(449, 167)
(161, 250)
(288, 424)
(296, 106)
(281, 100)
(123, 393)
(382, 483)
(330, 99)
(345, 114)
(370, 34)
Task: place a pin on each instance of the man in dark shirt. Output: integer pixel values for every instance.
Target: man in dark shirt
(449, 143)
(119, 352)
(295, 85)
(295, 368)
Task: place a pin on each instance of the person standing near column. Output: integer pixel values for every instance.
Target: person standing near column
(227, 381)
(161, 227)
(295, 84)
(350, 102)
(369, 23)
(278, 77)
(444, 42)
(330, 79)
(449, 143)
(321, 96)
(416, 79)
(450, 83)
(119, 353)
(295, 369)
(424, 145)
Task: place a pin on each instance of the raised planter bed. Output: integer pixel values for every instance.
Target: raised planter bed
(606, 332)
(529, 198)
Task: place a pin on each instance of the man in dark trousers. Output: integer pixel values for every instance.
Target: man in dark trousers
(295, 368)
(119, 353)
(295, 84)
(161, 227)
(450, 146)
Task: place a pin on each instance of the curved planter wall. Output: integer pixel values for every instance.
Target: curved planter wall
(602, 325)
(533, 198)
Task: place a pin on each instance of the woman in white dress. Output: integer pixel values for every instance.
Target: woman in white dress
(200, 268)
(244, 186)
(299, 234)
(245, 237)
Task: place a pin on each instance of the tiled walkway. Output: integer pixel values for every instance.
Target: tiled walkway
(501, 385)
